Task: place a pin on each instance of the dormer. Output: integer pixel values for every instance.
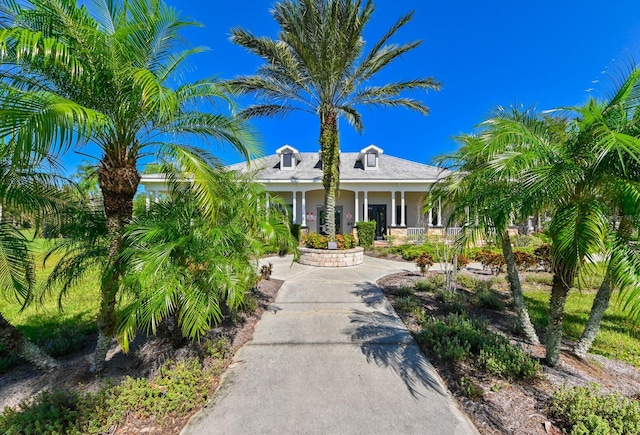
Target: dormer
(289, 157)
(370, 157)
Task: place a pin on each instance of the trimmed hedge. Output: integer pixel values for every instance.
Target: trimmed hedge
(366, 233)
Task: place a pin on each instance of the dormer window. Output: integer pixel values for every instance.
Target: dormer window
(369, 157)
(371, 160)
(289, 158)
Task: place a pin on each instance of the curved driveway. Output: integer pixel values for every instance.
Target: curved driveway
(331, 356)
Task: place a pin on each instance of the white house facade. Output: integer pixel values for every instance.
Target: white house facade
(373, 186)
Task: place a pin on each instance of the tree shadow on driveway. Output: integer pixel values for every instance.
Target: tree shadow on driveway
(385, 341)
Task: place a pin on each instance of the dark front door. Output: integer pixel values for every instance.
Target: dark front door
(378, 213)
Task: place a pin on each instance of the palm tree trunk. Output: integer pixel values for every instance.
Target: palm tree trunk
(600, 305)
(118, 185)
(330, 148)
(516, 290)
(559, 291)
(601, 302)
(14, 341)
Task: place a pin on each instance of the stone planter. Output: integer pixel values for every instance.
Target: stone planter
(331, 258)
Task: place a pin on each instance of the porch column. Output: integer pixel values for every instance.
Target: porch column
(155, 196)
(267, 200)
(304, 208)
(357, 209)
(430, 223)
(393, 208)
(439, 213)
(147, 200)
(294, 207)
(366, 206)
(403, 218)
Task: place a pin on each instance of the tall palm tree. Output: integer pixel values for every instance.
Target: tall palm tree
(585, 176)
(108, 78)
(318, 65)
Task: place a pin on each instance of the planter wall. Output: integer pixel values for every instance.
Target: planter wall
(331, 258)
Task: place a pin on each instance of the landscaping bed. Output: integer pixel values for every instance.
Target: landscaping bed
(152, 366)
(502, 403)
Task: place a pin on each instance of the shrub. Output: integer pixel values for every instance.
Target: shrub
(525, 261)
(457, 338)
(462, 261)
(177, 390)
(470, 283)
(431, 284)
(318, 241)
(366, 233)
(404, 291)
(490, 260)
(407, 304)
(424, 261)
(315, 241)
(345, 241)
(488, 299)
(583, 410)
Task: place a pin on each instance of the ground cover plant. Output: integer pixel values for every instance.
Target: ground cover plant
(506, 388)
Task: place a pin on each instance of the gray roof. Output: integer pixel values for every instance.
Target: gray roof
(389, 168)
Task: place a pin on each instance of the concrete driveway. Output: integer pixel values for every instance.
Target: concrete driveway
(331, 356)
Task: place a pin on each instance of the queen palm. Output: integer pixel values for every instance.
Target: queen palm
(318, 65)
(585, 176)
(109, 79)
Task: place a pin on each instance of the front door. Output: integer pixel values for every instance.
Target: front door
(322, 220)
(378, 213)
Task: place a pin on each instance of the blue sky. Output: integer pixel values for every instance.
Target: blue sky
(486, 54)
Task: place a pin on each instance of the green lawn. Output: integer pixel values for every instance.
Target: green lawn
(44, 323)
(617, 337)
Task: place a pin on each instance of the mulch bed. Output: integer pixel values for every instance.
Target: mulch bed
(146, 356)
(514, 408)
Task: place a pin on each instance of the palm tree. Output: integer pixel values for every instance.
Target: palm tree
(581, 173)
(486, 202)
(22, 188)
(106, 78)
(318, 65)
(192, 265)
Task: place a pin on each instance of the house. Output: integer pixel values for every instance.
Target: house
(373, 186)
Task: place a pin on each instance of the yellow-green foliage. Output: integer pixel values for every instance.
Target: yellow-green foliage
(585, 411)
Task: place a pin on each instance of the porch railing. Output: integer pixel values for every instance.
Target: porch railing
(416, 234)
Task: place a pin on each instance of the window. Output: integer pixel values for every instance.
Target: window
(287, 160)
(371, 160)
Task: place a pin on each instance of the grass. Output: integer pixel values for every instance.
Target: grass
(617, 337)
(58, 332)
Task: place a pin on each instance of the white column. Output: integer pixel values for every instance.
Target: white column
(430, 224)
(439, 213)
(366, 206)
(295, 207)
(304, 208)
(357, 209)
(147, 200)
(156, 197)
(403, 218)
(393, 208)
(267, 200)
